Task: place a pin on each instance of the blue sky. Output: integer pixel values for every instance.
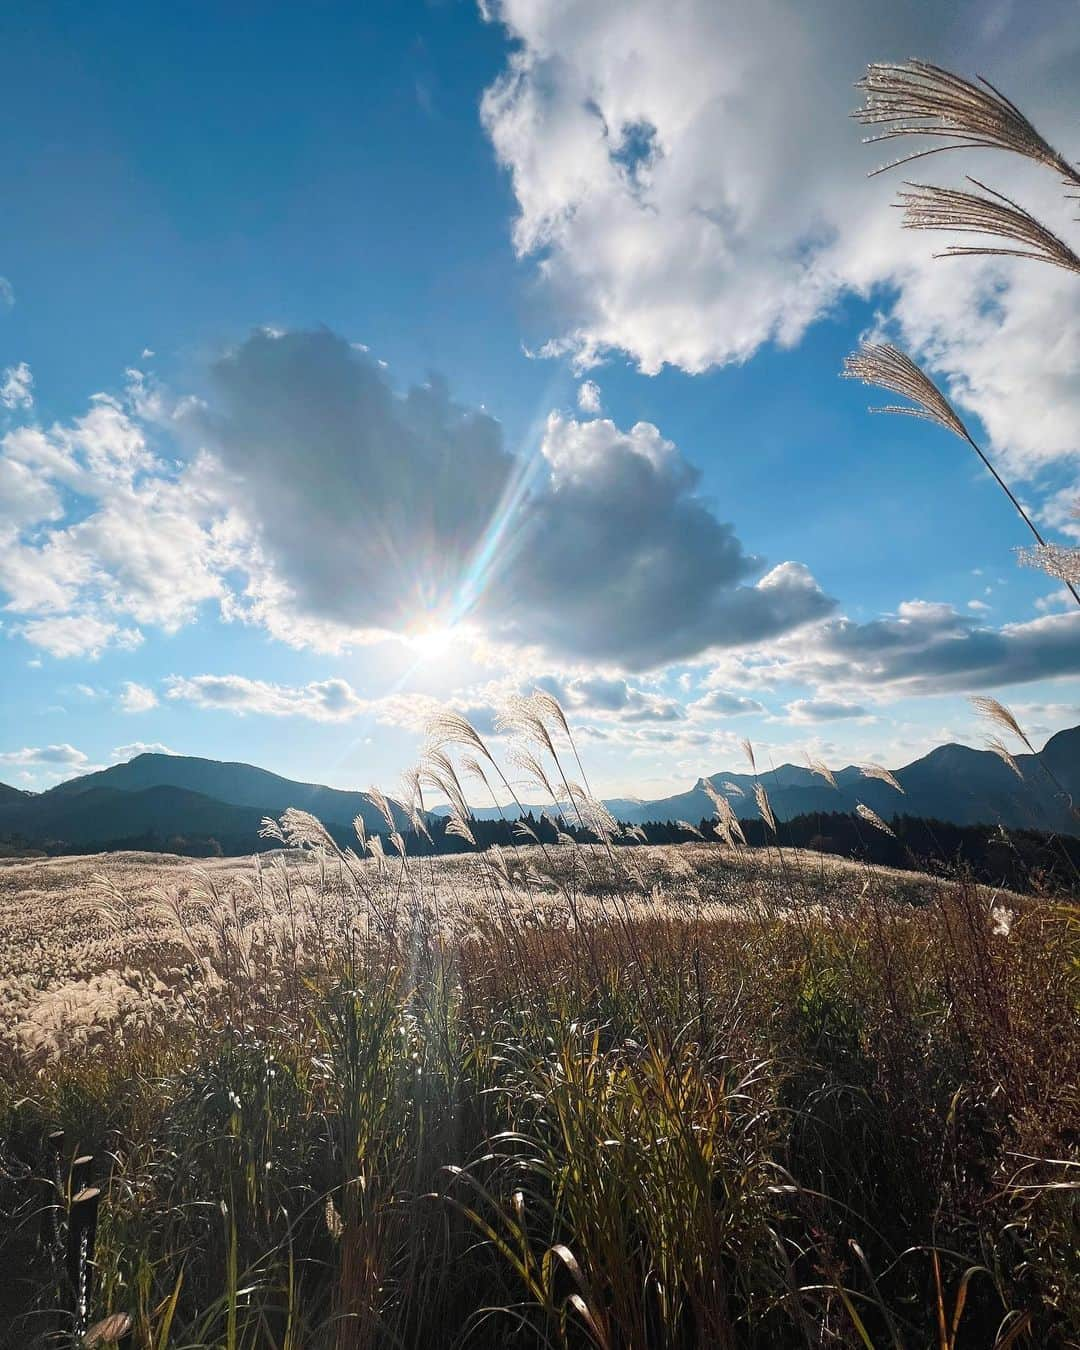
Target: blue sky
(623, 281)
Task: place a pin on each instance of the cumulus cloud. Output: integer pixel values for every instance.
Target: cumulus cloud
(398, 490)
(146, 540)
(601, 549)
(17, 387)
(322, 503)
(619, 559)
(693, 188)
(137, 698)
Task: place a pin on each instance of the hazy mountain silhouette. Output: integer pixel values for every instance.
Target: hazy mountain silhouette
(174, 795)
(177, 795)
(952, 782)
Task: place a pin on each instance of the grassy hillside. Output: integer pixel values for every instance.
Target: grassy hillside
(569, 1097)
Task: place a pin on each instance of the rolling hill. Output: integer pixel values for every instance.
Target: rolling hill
(174, 795)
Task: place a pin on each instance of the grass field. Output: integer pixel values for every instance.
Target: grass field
(579, 1096)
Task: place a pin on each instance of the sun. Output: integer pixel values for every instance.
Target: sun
(432, 640)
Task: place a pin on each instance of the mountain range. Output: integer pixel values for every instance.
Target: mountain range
(167, 796)
(156, 798)
(952, 782)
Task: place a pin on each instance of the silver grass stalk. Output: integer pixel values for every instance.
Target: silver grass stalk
(303, 830)
(916, 98)
(594, 814)
(996, 712)
(762, 799)
(379, 800)
(881, 364)
(879, 771)
(549, 704)
(1056, 560)
(729, 786)
(885, 366)
(457, 825)
(722, 831)
(748, 751)
(819, 767)
(497, 862)
(938, 208)
(448, 727)
(728, 816)
(414, 803)
(1004, 754)
(872, 818)
(533, 770)
(522, 715)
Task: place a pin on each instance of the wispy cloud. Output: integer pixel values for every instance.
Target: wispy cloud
(17, 387)
(137, 698)
(321, 701)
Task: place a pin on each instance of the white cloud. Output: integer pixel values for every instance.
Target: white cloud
(17, 387)
(332, 700)
(922, 649)
(137, 698)
(599, 552)
(122, 753)
(600, 549)
(26, 498)
(718, 702)
(620, 561)
(146, 540)
(1059, 599)
(7, 293)
(610, 697)
(73, 635)
(588, 397)
(692, 186)
(322, 700)
(823, 710)
(55, 756)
